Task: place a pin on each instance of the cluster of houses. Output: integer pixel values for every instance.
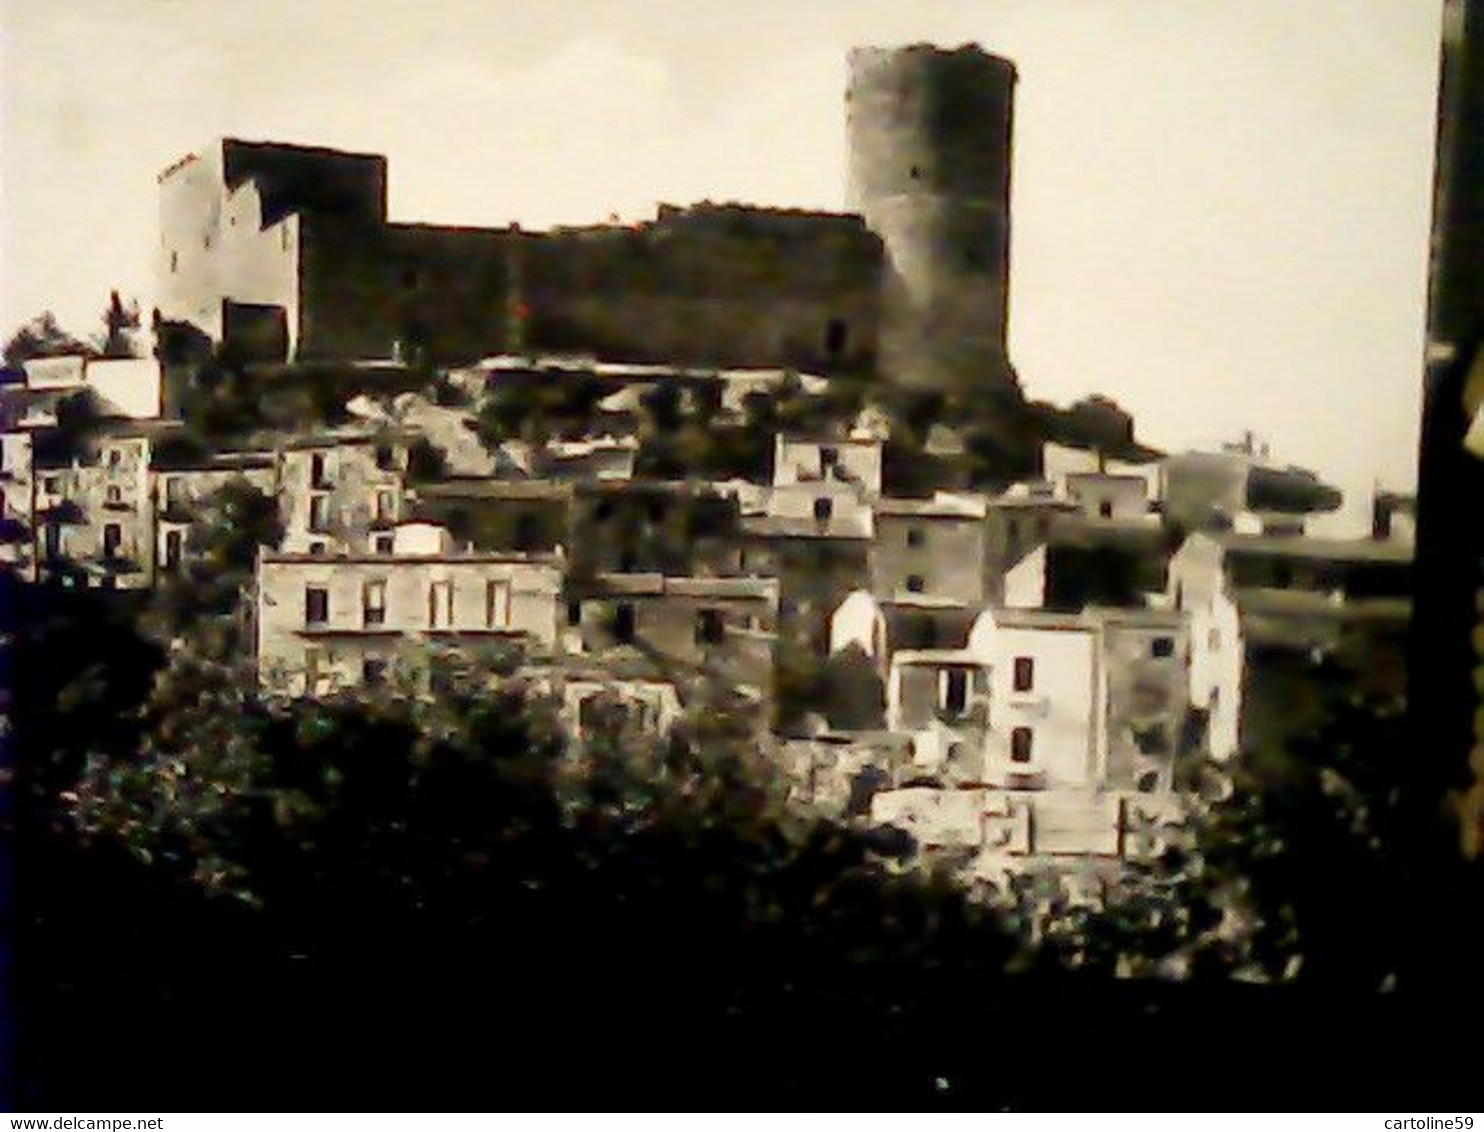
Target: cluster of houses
(1021, 680)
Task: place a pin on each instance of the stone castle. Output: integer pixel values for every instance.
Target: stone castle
(286, 253)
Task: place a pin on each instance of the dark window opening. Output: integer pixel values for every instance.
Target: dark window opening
(386, 457)
(1025, 673)
(527, 533)
(574, 613)
(623, 623)
(603, 512)
(836, 337)
(711, 628)
(173, 543)
(1153, 740)
(318, 472)
(916, 537)
(824, 510)
(373, 670)
(915, 583)
(955, 691)
(1105, 509)
(113, 536)
(382, 544)
(1020, 745)
(316, 605)
(915, 172)
(1163, 646)
(829, 458)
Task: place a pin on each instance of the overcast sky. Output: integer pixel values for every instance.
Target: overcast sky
(1220, 208)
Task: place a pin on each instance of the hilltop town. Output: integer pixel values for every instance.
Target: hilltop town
(781, 453)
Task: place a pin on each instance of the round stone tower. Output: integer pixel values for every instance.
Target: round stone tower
(929, 143)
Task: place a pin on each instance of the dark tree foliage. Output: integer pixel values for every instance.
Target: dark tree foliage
(43, 337)
(204, 597)
(537, 411)
(1295, 874)
(435, 902)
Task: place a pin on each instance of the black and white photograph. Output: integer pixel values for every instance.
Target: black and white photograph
(795, 556)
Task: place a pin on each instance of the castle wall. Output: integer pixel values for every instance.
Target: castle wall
(438, 293)
(263, 228)
(715, 285)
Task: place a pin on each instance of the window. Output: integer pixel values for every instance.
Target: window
(373, 603)
(386, 506)
(173, 543)
(317, 548)
(915, 583)
(382, 544)
(53, 540)
(574, 613)
(916, 537)
(953, 690)
(115, 457)
(1020, 745)
(115, 493)
(711, 627)
(319, 512)
(386, 457)
(497, 603)
(174, 262)
(915, 172)
(316, 605)
(527, 532)
(52, 485)
(373, 670)
(603, 512)
(175, 491)
(829, 459)
(1025, 673)
(623, 623)
(1162, 647)
(319, 472)
(440, 605)
(1105, 509)
(925, 632)
(113, 537)
(824, 510)
(836, 337)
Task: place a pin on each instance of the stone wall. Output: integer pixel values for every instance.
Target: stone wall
(930, 140)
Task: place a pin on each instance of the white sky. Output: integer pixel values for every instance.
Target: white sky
(1221, 207)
